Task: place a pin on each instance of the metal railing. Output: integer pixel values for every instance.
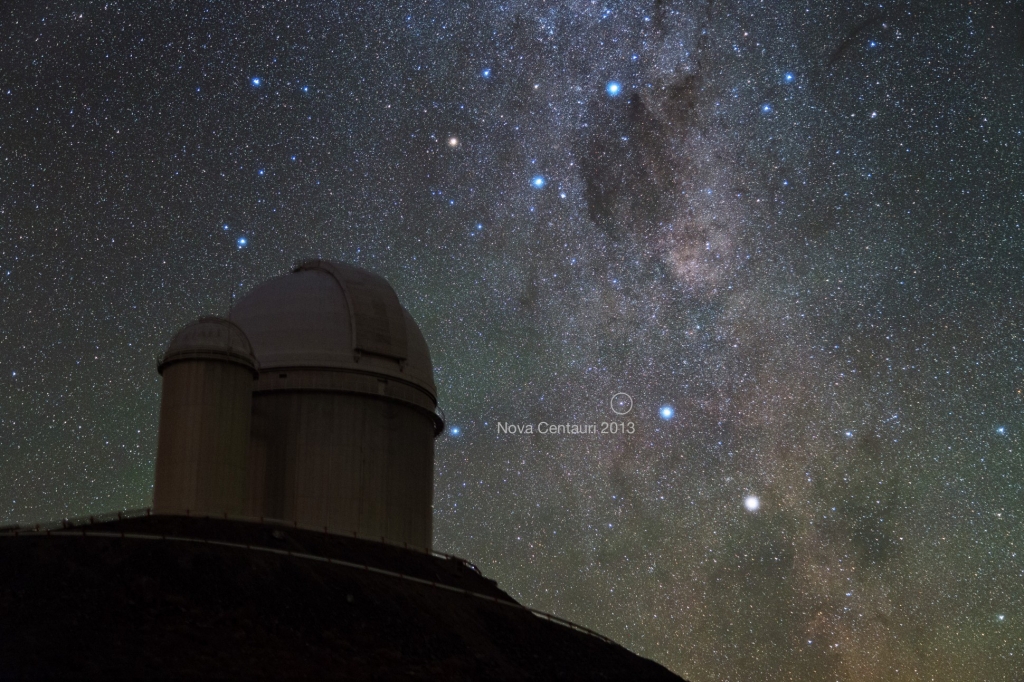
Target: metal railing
(77, 522)
(82, 526)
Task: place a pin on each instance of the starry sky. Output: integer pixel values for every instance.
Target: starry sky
(790, 232)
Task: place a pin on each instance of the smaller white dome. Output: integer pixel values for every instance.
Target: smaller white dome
(210, 338)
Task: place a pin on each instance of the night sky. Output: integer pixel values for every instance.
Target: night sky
(790, 231)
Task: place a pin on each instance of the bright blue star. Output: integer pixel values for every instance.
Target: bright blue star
(872, 44)
(486, 73)
(242, 242)
(766, 108)
(256, 81)
(538, 181)
(788, 77)
(225, 227)
(613, 89)
(1001, 430)
(455, 431)
(260, 171)
(305, 88)
(667, 412)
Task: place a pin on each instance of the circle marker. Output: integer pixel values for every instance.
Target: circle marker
(622, 403)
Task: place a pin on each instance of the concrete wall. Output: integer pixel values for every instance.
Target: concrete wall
(205, 422)
(344, 461)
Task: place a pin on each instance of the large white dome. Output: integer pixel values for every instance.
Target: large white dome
(330, 316)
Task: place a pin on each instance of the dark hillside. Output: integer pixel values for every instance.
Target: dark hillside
(88, 603)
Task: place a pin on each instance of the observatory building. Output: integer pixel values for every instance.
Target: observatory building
(313, 403)
(290, 534)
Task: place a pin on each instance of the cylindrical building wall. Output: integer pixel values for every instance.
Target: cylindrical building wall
(345, 462)
(205, 421)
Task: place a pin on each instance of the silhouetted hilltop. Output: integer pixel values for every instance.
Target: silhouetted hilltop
(170, 597)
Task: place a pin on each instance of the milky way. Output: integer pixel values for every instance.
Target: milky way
(789, 232)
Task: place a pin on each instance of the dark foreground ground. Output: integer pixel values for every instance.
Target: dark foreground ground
(82, 605)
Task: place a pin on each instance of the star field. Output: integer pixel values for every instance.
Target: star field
(789, 232)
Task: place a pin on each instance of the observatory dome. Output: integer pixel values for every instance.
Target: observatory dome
(210, 338)
(315, 404)
(335, 316)
(205, 417)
